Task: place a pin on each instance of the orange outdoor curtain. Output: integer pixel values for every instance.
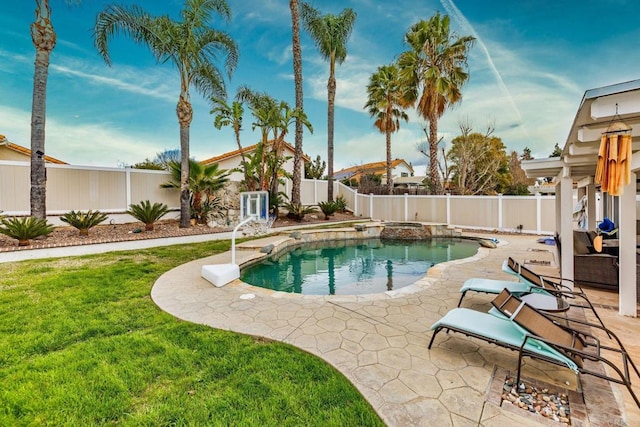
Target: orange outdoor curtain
(613, 170)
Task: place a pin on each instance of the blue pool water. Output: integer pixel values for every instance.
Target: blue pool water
(355, 267)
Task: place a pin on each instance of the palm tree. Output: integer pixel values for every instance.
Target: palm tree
(283, 118)
(203, 181)
(190, 44)
(385, 92)
(44, 40)
(230, 115)
(434, 69)
(297, 75)
(330, 34)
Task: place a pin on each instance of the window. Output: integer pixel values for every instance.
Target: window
(404, 174)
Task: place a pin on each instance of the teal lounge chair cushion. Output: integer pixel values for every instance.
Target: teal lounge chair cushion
(501, 331)
(491, 286)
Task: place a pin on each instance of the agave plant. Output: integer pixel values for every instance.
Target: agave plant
(148, 213)
(24, 229)
(328, 208)
(83, 221)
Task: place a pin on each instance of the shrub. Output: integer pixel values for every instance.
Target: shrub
(341, 203)
(147, 213)
(211, 207)
(328, 208)
(297, 211)
(24, 229)
(83, 221)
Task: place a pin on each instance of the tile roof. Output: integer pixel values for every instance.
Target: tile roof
(27, 152)
(247, 149)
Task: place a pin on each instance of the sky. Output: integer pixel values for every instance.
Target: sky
(529, 69)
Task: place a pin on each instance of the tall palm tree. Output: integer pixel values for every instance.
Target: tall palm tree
(44, 40)
(297, 76)
(434, 69)
(190, 44)
(386, 103)
(330, 34)
(230, 115)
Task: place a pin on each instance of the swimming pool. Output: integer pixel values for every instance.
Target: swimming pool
(355, 267)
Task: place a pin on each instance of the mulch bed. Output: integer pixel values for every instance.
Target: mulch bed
(110, 233)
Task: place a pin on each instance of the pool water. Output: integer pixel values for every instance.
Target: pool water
(355, 267)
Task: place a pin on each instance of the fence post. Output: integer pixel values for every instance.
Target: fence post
(448, 208)
(538, 213)
(355, 203)
(406, 207)
(371, 205)
(127, 181)
(315, 191)
(500, 211)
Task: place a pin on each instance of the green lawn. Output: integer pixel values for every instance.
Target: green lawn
(83, 344)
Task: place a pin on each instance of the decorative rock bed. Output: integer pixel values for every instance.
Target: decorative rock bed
(550, 404)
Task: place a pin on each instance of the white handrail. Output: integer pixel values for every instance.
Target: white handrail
(233, 237)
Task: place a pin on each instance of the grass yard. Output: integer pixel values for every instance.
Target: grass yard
(84, 344)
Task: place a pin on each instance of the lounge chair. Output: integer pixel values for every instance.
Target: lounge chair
(540, 336)
(555, 296)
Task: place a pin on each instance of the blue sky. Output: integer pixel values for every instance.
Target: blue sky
(529, 69)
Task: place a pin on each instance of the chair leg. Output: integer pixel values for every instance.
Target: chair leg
(461, 298)
(438, 329)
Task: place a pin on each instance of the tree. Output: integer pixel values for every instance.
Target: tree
(519, 184)
(557, 151)
(330, 34)
(161, 161)
(315, 169)
(297, 76)
(44, 40)
(230, 115)
(274, 119)
(190, 44)
(385, 104)
(434, 71)
(149, 165)
(526, 154)
(202, 183)
(478, 162)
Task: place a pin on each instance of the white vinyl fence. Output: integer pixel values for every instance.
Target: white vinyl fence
(112, 190)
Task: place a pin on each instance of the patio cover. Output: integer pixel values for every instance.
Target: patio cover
(598, 109)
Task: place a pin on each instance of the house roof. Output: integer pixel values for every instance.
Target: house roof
(377, 168)
(27, 152)
(245, 150)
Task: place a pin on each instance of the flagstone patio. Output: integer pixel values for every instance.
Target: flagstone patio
(380, 341)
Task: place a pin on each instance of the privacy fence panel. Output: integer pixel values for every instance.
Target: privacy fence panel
(15, 187)
(466, 211)
(145, 185)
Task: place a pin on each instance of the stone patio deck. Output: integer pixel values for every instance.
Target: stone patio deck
(380, 341)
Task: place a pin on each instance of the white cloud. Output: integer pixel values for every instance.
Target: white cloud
(83, 144)
(156, 82)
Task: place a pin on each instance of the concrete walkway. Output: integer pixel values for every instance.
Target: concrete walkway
(380, 341)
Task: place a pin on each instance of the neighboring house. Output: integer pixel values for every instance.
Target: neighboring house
(233, 159)
(399, 168)
(15, 152)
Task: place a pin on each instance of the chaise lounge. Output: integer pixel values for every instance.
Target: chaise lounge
(540, 291)
(517, 326)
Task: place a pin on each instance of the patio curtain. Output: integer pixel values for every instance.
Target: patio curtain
(613, 170)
